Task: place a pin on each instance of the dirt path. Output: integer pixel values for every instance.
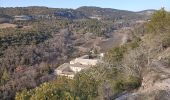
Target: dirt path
(116, 39)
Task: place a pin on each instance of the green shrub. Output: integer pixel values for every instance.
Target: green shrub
(160, 21)
(84, 87)
(126, 84)
(166, 42)
(5, 77)
(133, 82)
(115, 54)
(119, 86)
(24, 95)
(135, 43)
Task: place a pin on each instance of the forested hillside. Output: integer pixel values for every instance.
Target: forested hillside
(138, 69)
(108, 13)
(124, 72)
(79, 13)
(34, 41)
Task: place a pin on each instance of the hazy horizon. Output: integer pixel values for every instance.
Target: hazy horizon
(130, 5)
(81, 6)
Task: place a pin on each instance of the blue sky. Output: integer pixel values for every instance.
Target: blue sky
(133, 5)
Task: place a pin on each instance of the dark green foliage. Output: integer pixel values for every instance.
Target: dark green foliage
(115, 54)
(26, 50)
(85, 86)
(5, 77)
(24, 39)
(94, 26)
(24, 95)
(134, 43)
(127, 84)
(119, 86)
(166, 41)
(59, 89)
(82, 88)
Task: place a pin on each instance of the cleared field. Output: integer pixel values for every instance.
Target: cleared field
(7, 25)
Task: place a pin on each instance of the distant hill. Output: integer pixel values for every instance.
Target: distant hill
(39, 11)
(70, 13)
(108, 13)
(79, 13)
(26, 11)
(147, 12)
